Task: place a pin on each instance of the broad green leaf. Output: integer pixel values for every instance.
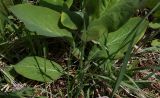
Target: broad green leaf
(41, 20)
(40, 69)
(155, 42)
(111, 20)
(116, 43)
(71, 20)
(123, 36)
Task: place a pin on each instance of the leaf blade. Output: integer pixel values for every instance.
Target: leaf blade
(39, 69)
(45, 23)
(115, 43)
(111, 20)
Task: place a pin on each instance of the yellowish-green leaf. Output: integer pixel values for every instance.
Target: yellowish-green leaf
(41, 20)
(67, 22)
(40, 69)
(71, 20)
(154, 25)
(156, 42)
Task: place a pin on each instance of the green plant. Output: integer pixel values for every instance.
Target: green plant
(99, 32)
